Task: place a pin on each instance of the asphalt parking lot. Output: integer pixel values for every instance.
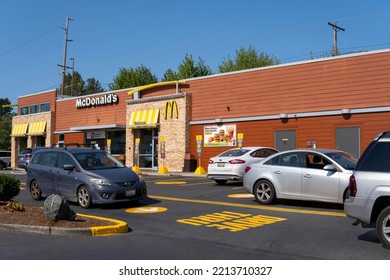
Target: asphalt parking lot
(193, 218)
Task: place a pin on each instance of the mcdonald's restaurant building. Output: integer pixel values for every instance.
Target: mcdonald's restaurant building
(338, 102)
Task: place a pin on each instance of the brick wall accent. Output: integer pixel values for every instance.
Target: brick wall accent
(174, 130)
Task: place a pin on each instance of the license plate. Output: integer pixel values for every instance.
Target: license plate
(221, 164)
(130, 192)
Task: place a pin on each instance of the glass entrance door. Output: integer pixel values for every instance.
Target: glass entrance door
(148, 148)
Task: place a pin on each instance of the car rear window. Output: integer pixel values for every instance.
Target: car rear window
(377, 159)
(234, 153)
(25, 151)
(5, 154)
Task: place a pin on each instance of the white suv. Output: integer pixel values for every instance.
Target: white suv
(368, 197)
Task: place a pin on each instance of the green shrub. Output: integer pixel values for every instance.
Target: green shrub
(9, 187)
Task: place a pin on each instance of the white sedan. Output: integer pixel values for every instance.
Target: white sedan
(314, 175)
(231, 164)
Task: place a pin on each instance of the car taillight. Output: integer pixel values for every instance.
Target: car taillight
(352, 186)
(247, 169)
(210, 161)
(236, 161)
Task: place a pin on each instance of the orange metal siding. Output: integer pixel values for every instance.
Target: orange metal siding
(74, 138)
(69, 116)
(350, 82)
(36, 99)
(320, 129)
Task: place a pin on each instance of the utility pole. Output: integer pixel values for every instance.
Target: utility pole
(335, 30)
(64, 67)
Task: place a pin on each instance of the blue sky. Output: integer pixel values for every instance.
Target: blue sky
(109, 35)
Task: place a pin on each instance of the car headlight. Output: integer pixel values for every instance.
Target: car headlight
(101, 182)
(141, 179)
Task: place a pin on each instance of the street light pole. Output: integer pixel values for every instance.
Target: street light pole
(71, 86)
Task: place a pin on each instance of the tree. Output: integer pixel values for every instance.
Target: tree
(93, 86)
(5, 107)
(188, 68)
(6, 115)
(133, 77)
(246, 59)
(74, 84)
(170, 75)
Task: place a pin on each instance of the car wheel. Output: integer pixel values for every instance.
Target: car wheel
(35, 190)
(383, 227)
(264, 192)
(3, 165)
(221, 182)
(84, 197)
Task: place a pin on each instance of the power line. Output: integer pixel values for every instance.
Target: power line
(28, 42)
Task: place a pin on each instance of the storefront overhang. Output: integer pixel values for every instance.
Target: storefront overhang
(94, 127)
(19, 130)
(37, 128)
(150, 86)
(144, 119)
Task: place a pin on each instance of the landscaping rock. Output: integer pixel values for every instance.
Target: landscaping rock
(57, 208)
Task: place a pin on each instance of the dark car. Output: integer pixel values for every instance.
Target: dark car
(5, 159)
(83, 175)
(25, 155)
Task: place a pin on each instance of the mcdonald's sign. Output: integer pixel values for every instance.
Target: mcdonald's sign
(171, 110)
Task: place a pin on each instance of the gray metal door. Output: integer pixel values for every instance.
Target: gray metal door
(348, 140)
(285, 140)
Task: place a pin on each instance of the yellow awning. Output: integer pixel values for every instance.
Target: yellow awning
(144, 119)
(37, 128)
(19, 130)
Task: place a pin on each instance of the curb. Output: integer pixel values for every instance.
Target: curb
(117, 228)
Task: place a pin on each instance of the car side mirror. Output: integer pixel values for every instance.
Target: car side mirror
(330, 167)
(69, 167)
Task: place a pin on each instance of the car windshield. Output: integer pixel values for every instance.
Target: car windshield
(97, 160)
(234, 153)
(346, 160)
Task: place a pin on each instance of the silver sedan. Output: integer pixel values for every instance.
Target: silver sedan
(313, 175)
(230, 165)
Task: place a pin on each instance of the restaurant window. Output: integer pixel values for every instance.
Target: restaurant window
(118, 141)
(24, 111)
(34, 109)
(45, 107)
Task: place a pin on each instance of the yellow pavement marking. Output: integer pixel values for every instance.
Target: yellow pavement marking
(194, 184)
(146, 210)
(261, 207)
(170, 183)
(231, 221)
(241, 195)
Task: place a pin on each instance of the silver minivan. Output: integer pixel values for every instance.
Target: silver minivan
(83, 175)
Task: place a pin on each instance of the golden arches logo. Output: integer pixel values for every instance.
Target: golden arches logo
(171, 110)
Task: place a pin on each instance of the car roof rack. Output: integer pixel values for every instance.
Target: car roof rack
(74, 145)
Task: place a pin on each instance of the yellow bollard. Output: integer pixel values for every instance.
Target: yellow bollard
(163, 170)
(200, 170)
(136, 169)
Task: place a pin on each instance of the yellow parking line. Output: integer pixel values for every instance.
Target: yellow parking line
(262, 207)
(194, 184)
